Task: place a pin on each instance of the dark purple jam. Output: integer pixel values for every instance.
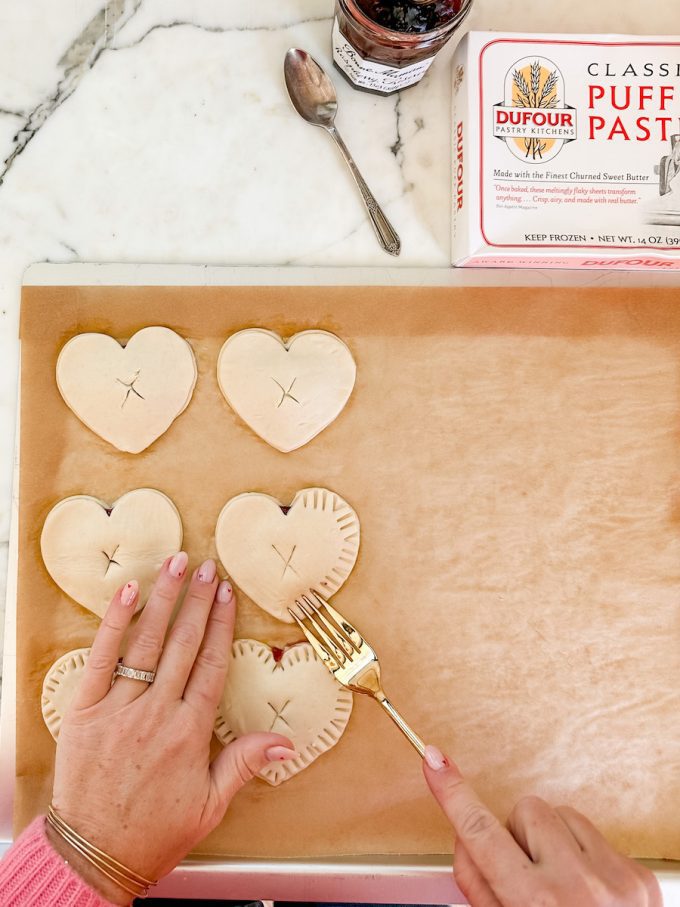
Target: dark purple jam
(410, 17)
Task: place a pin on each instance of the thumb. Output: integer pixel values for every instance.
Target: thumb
(242, 759)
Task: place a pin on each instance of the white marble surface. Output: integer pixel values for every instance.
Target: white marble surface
(159, 130)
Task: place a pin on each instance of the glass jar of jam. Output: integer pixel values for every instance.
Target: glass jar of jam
(386, 45)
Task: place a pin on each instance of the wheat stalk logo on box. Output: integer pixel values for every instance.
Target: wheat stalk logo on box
(533, 119)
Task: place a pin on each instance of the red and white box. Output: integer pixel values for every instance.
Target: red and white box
(566, 151)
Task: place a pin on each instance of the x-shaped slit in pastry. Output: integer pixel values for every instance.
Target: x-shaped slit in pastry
(131, 389)
(287, 561)
(278, 714)
(110, 559)
(286, 393)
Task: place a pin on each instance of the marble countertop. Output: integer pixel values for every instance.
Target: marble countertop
(160, 131)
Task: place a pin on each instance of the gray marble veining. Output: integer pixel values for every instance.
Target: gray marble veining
(159, 130)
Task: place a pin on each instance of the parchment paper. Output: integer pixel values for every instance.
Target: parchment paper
(513, 456)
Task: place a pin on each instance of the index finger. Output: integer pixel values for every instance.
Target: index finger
(495, 852)
(96, 681)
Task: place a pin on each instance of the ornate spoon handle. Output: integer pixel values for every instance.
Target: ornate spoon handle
(387, 235)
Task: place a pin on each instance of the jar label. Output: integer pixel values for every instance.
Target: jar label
(371, 75)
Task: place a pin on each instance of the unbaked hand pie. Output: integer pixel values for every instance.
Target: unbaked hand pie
(127, 394)
(91, 548)
(276, 553)
(59, 687)
(289, 692)
(287, 392)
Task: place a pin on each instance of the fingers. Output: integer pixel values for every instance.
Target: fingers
(96, 681)
(206, 682)
(651, 885)
(584, 832)
(540, 831)
(470, 880)
(591, 841)
(185, 638)
(623, 874)
(491, 868)
(241, 760)
(490, 846)
(145, 642)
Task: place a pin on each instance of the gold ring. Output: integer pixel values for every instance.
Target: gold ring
(122, 670)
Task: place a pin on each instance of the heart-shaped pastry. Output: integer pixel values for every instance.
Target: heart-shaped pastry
(90, 548)
(286, 392)
(128, 395)
(290, 693)
(59, 687)
(276, 553)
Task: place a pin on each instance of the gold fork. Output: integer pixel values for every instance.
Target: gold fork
(346, 654)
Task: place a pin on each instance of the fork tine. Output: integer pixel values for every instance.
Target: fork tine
(320, 649)
(333, 632)
(337, 651)
(343, 625)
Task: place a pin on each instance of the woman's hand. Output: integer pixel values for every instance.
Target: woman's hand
(133, 773)
(544, 858)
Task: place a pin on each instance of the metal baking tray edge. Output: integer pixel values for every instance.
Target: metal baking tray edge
(406, 879)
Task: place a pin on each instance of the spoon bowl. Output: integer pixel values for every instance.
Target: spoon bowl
(311, 91)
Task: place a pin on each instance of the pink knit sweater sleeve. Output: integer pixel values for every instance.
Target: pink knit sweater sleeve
(32, 874)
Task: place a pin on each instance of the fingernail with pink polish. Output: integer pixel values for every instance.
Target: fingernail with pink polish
(178, 564)
(279, 754)
(207, 571)
(225, 593)
(129, 593)
(435, 759)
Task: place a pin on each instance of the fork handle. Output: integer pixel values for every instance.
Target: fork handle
(408, 732)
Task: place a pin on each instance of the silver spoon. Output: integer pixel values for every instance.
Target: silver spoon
(314, 98)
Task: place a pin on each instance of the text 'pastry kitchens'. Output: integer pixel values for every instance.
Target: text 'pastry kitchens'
(566, 151)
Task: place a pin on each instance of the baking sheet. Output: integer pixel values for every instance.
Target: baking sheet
(512, 456)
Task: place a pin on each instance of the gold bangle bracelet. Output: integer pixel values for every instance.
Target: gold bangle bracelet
(140, 892)
(121, 875)
(133, 876)
(100, 863)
